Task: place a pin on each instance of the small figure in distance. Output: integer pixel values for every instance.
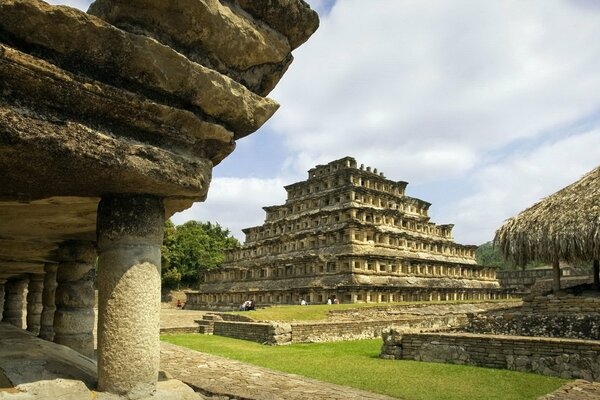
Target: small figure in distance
(179, 305)
(329, 301)
(302, 302)
(245, 306)
(336, 301)
(251, 306)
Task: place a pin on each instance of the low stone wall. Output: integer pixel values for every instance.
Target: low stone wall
(566, 358)
(261, 332)
(232, 317)
(208, 307)
(562, 304)
(574, 326)
(179, 330)
(275, 333)
(532, 278)
(567, 316)
(545, 285)
(348, 330)
(522, 278)
(421, 309)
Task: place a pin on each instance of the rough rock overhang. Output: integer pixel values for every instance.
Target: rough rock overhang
(131, 100)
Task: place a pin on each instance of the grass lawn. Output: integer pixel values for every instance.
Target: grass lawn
(356, 364)
(318, 312)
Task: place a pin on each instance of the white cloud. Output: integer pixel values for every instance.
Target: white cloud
(236, 203)
(423, 89)
(506, 188)
(80, 4)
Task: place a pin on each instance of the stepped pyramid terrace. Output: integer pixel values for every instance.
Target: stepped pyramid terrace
(347, 233)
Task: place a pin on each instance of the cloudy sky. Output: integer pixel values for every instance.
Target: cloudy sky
(484, 107)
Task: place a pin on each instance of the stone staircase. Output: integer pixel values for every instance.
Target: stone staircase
(206, 325)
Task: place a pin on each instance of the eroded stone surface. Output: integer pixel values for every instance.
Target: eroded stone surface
(68, 389)
(100, 50)
(121, 112)
(292, 18)
(187, 25)
(44, 360)
(257, 57)
(130, 232)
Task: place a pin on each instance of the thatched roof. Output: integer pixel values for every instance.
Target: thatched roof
(563, 226)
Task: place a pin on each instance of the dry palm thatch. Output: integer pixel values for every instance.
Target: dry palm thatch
(563, 226)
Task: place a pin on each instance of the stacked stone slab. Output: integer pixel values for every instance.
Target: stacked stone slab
(110, 122)
(350, 234)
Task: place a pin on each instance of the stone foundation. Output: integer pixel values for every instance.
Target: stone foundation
(562, 304)
(543, 325)
(565, 358)
(575, 317)
(317, 332)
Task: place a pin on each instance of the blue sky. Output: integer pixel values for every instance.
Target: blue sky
(484, 107)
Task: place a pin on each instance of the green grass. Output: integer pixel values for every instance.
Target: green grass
(319, 311)
(357, 364)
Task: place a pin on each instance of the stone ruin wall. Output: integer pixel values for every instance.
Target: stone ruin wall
(565, 358)
(540, 280)
(276, 333)
(567, 316)
(354, 324)
(351, 233)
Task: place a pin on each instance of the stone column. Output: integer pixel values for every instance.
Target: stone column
(130, 233)
(2, 283)
(15, 301)
(49, 305)
(556, 276)
(34, 302)
(74, 297)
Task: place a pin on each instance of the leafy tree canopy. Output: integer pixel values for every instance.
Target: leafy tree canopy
(192, 248)
(488, 255)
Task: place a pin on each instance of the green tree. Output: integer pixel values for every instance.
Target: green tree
(488, 255)
(191, 249)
